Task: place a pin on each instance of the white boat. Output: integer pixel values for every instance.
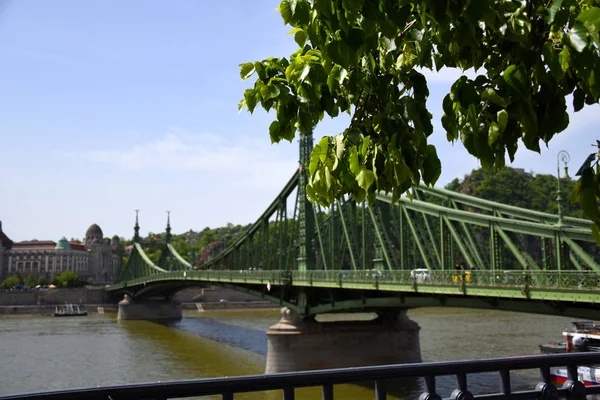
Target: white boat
(584, 337)
(69, 311)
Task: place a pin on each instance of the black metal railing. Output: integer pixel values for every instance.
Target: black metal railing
(572, 389)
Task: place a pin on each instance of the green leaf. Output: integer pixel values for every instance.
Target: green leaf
(275, 132)
(554, 8)
(578, 37)
(339, 146)
(301, 13)
(502, 117)
(339, 52)
(365, 179)
(476, 10)
(286, 11)
(246, 70)
(591, 21)
(251, 100)
(565, 59)
(328, 179)
(493, 133)
(432, 167)
(356, 38)
(578, 99)
(587, 194)
(300, 38)
(518, 80)
(489, 94)
(305, 72)
(269, 92)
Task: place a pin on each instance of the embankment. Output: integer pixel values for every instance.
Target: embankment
(49, 309)
(95, 295)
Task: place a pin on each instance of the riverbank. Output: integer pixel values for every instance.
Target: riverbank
(34, 297)
(47, 310)
(92, 309)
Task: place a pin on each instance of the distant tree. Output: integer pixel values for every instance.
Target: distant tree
(31, 280)
(42, 281)
(55, 281)
(10, 282)
(69, 279)
(20, 277)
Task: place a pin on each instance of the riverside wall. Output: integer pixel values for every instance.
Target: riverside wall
(54, 297)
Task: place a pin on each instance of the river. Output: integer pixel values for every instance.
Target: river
(46, 353)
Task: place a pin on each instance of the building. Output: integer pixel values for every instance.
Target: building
(97, 257)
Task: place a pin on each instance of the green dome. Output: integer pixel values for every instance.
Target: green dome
(63, 244)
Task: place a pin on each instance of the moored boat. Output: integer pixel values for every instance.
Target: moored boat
(69, 311)
(584, 337)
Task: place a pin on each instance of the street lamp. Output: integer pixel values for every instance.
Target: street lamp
(565, 158)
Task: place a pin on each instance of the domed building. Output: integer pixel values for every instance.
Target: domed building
(105, 255)
(97, 257)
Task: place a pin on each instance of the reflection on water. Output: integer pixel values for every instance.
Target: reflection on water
(44, 353)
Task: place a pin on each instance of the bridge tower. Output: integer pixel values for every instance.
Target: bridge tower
(155, 308)
(306, 218)
(301, 343)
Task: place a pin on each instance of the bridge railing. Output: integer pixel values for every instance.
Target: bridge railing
(589, 280)
(541, 279)
(572, 389)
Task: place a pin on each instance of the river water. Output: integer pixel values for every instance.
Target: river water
(46, 353)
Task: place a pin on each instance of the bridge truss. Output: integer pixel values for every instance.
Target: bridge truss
(437, 232)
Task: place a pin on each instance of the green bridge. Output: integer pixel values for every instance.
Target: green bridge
(354, 257)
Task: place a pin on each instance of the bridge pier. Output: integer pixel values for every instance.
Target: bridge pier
(130, 309)
(296, 344)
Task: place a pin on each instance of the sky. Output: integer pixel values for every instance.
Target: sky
(107, 106)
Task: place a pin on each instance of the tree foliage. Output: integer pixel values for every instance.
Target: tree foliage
(10, 282)
(518, 188)
(31, 280)
(363, 56)
(67, 279)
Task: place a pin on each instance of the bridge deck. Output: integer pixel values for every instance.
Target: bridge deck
(580, 286)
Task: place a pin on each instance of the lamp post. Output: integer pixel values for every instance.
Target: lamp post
(565, 158)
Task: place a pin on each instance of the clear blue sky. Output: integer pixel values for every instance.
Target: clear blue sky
(111, 105)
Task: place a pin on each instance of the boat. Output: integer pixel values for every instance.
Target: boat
(69, 311)
(583, 337)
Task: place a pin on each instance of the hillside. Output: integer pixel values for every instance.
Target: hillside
(518, 188)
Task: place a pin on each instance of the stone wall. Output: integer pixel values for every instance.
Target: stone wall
(49, 310)
(54, 296)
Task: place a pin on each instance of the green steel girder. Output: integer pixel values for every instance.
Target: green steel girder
(320, 259)
(525, 227)
(501, 209)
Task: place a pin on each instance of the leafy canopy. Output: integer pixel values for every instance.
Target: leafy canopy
(362, 57)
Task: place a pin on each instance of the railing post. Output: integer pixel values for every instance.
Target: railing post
(288, 393)
(380, 392)
(430, 393)
(547, 390)
(575, 388)
(505, 382)
(461, 393)
(327, 392)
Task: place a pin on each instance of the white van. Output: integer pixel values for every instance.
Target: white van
(420, 275)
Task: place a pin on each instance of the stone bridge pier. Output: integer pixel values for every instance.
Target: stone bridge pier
(130, 309)
(297, 344)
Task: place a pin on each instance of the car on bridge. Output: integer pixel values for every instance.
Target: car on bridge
(420, 275)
